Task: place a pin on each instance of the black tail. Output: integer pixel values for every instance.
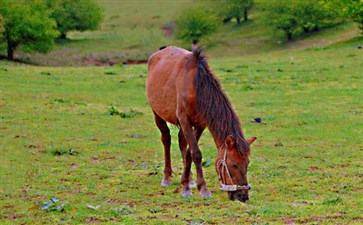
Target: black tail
(196, 50)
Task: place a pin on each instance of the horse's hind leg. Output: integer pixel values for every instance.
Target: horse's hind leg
(166, 139)
(183, 149)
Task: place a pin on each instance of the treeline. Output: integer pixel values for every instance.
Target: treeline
(292, 17)
(35, 24)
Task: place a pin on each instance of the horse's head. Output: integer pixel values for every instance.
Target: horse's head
(231, 167)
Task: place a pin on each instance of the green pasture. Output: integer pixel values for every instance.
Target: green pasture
(132, 30)
(58, 139)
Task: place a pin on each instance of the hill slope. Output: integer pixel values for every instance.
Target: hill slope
(132, 30)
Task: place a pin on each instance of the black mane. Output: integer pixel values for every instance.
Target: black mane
(215, 109)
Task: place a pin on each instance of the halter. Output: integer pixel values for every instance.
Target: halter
(228, 187)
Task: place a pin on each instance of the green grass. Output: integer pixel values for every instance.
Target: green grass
(129, 31)
(132, 30)
(306, 165)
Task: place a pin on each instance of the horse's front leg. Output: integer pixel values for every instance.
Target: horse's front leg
(195, 154)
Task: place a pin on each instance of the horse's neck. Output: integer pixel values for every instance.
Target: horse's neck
(219, 143)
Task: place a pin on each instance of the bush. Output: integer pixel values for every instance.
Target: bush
(75, 15)
(27, 23)
(195, 24)
(352, 9)
(312, 15)
(229, 9)
(298, 16)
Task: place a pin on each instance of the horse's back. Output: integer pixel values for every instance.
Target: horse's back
(166, 74)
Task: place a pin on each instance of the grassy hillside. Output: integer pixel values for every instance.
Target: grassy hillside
(58, 140)
(133, 30)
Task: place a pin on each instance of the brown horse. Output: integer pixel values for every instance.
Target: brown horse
(183, 91)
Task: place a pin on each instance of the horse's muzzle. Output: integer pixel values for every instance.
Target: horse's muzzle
(238, 195)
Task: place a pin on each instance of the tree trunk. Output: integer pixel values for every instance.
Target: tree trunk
(11, 49)
(238, 20)
(289, 35)
(227, 20)
(245, 14)
(63, 36)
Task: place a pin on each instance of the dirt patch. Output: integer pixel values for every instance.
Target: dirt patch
(313, 168)
(289, 221)
(168, 29)
(93, 219)
(96, 62)
(300, 203)
(100, 62)
(135, 61)
(165, 217)
(321, 42)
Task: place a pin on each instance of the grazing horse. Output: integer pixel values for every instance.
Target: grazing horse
(182, 90)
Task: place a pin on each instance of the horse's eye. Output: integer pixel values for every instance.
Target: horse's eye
(235, 166)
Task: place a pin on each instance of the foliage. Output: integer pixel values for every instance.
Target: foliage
(62, 151)
(282, 17)
(27, 24)
(1, 22)
(196, 23)
(313, 15)
(355, 12)
(75, 15)
(297, 16)
(352, 9)
(237, 9)
(129, 114)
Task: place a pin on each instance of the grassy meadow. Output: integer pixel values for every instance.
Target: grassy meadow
(78, 143)
(59, 140)
(132, 30)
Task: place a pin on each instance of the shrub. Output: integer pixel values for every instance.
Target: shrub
(71, 15)
(130, 114)
(195, 23)
(352, 9)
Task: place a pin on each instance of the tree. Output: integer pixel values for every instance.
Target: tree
(194, 24)
(281, 17)
(75, 15)
(298, 16)
(353, 9)
(313, 15)
(27, 23)
(238, 9)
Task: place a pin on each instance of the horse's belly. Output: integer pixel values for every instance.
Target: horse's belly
(161, 95)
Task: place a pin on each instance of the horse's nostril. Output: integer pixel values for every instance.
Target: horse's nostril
(245, 198)
(240, 197)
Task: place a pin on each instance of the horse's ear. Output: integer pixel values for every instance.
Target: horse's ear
(229, 142)
(251, 140)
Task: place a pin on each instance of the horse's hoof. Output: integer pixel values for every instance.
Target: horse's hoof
(165, 183)
(187, 194)
(205, 194)
(192, 184)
